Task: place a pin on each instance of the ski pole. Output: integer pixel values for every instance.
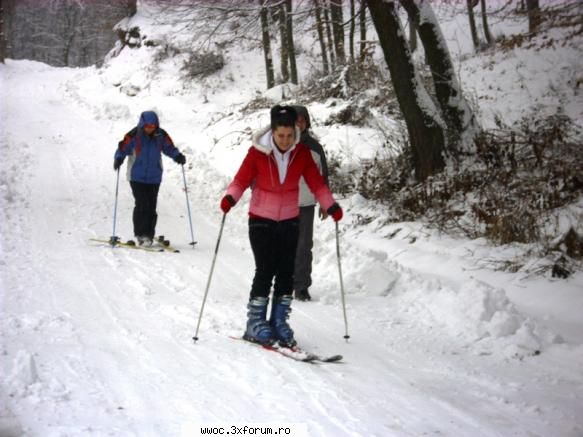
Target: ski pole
(208, 282)
(346, 336)
(114, 239)
(192, 243)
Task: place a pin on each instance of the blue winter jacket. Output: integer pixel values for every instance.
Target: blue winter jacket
(145, 151)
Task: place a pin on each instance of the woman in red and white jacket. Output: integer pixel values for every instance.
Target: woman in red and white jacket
(272, 168)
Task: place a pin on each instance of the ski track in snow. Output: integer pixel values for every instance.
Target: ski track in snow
(97, 341)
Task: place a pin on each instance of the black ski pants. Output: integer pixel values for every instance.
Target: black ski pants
(145, 217)
(274, 249)
(303, 266)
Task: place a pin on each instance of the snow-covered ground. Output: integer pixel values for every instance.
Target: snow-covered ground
(98, 341)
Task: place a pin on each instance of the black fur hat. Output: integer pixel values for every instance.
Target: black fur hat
(283, 116)
(302, 111)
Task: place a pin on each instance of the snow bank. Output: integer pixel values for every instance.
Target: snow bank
(476, 314)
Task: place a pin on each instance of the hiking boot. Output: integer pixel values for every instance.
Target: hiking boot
(303, 295)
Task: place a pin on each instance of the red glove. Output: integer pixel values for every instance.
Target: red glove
(335, 211)
(227, 203)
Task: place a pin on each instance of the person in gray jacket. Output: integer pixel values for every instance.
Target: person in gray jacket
(307, 203)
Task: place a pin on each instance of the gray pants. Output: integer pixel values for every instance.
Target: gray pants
(303, 264)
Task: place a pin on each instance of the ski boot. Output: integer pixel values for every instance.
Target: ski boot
(279, 314)
(144, 241)
(162, 241)
(258, 330)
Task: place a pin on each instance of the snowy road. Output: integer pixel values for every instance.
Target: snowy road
(96, 341)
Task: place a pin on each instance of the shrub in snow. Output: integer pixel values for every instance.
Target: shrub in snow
(129, 37)
(130, 90)
(351, 82)
(202, 64)
(356, 115)
(515, 190)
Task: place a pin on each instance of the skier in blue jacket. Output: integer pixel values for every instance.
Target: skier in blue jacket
(144, 145)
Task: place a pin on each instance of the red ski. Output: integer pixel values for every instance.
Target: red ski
(295, 353)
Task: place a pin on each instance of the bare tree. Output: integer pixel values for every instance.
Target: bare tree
(454, 108)
(521, 7)
(473, 30)
(280, 15)
(426, 133)
(352, 30)
(290, 42)
(320, 29)
(412, 32)
(362, 26)
(534, 15)
(266, 44)
(338, 30)
(2, 31)
(328, 26)
(70, 30)
(222, 22)
(487, 33)
(227, 22)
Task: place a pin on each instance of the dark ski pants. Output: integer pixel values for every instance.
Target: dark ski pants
(145, 217)
(303, 263)
(274, 249)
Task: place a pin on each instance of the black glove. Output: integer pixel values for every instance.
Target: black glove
(180, 159)
(117, 162)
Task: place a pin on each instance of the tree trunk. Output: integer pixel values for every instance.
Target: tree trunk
(455, 110)
(284, 55)
(326, 10)
(473, 29)
(72, 21)
(132, 7)
(266, 45)
(362, 25)
(485, 25)
(521, 7)
(2, 32)
(412, 33)
(534, 16)
(352, 30)
(425, 134)
(291, 48)
(338, 30)
(320, 28)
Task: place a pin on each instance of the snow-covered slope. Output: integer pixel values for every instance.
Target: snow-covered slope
(96, 341)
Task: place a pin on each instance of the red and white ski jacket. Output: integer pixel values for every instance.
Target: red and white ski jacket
(270, 198)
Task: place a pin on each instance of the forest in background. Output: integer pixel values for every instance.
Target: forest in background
(62, 33)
